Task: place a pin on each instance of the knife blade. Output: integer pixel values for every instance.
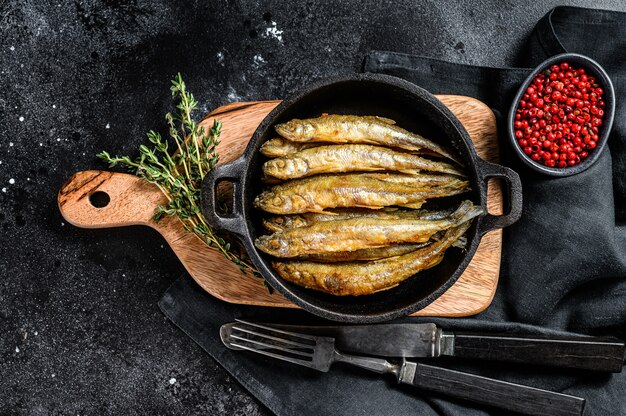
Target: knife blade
(386, 340)
(429, 341)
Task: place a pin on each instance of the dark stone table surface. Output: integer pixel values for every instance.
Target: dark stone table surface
(80, 330)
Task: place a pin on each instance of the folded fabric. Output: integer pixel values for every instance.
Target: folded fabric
(563, 264)
(287, 389)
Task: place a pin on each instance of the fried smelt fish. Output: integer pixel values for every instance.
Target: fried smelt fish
(282, 222)
(358, 130)
(367, 253)
(365, 190)
(351, 158)
(359, 233)
(279, 147)
(381, 252)
(364, 278)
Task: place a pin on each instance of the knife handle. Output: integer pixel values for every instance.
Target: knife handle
(581, 353)
(500, 394)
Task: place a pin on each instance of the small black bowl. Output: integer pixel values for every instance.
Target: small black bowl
(592, 68)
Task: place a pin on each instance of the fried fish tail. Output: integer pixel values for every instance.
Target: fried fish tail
(351, 278)
(465, 212)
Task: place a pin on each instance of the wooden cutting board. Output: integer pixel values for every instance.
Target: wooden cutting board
(132, 202)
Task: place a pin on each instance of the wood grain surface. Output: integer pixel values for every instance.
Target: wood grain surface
(132, 202)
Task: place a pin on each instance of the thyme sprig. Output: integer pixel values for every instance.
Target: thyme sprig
(179, 174)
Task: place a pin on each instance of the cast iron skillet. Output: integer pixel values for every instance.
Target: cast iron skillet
(414, 109)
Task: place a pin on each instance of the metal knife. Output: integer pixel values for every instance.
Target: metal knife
(428, 340)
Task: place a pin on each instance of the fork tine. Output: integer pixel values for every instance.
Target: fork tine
(282, 340)
(272, 346)
(277, 356)
(280, 331)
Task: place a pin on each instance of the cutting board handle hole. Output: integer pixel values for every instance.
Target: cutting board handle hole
(99, 199)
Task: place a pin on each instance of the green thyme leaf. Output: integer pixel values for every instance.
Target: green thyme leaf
(178, 172)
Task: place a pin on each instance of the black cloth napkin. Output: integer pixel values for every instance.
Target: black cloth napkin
(563, 264)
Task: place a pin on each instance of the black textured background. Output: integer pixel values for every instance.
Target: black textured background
(80, 332)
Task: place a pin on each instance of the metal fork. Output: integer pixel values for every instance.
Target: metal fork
(319, 353)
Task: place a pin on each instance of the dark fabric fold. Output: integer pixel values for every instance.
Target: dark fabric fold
(291, 390)
(563, 264)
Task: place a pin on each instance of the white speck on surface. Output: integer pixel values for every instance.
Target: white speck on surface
(36, 333)
(10, 144)
(12, 48)
(62, 224)
(11, 181)
(40, 144)
(21, 118)
(17, 349)
(258, 61)
(53, 375)
(161, 245)
(220, 57)
(21, 65)
(58, 139)
(4, 190)
(172, 380)
(108, 126)
(54, 106)
(274, 32)
(28, 179)
(232, 95)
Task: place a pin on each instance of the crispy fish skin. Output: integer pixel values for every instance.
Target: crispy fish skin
(357, 130)
(364, 278)
(367, 253)
(351, 158)
(282, 222)
(280, 147)
(359, 233)
(366, 190)
(414, 181)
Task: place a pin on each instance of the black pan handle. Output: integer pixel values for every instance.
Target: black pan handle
(232, 172)
(596, 354)
(514, 203)
(501, 394)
